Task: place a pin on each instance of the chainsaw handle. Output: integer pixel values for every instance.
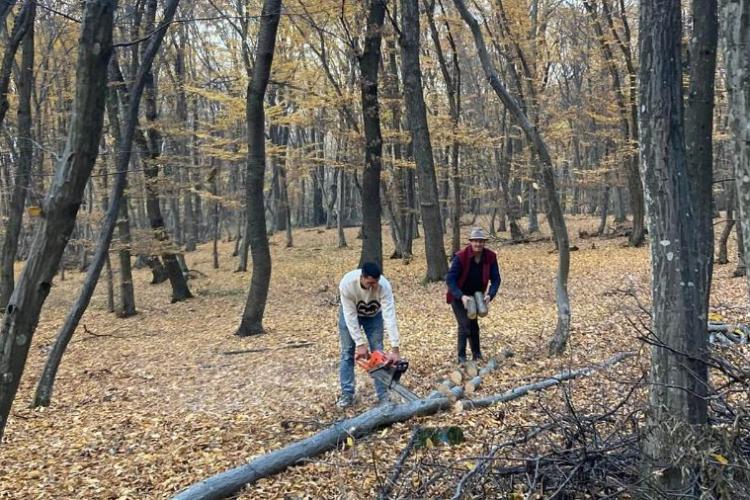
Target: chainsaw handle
(375, 359)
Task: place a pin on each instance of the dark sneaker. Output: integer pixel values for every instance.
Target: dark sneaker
(345, 401)
(477, 357)
(461, 360)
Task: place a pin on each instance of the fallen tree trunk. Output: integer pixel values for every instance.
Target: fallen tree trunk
(517, 392)
(230, 482)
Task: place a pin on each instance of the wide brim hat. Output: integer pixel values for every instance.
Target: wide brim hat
(478, 233)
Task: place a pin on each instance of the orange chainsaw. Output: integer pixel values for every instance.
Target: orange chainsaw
(380, 368)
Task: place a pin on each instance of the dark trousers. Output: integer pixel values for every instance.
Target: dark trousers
(467, 329)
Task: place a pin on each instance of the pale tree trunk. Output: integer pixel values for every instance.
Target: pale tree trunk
(125, 142)
(415, 108)
(62, 202)
(678, 377)
(23, 167)
(255, 229)
(554, 215)
(369, 63)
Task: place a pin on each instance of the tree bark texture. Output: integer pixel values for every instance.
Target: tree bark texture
(415, 108)
(180, 289)
(736, 17)
(678, 378)
(699, 111)
(369, 64)
(63, 200)
(23, 23)
(23, 167)
(255, 228)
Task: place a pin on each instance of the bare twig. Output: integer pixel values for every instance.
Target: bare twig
(399, 465)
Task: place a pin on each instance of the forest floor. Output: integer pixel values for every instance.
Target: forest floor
(145, 406)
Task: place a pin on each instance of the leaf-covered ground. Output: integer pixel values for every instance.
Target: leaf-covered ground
(147, 405)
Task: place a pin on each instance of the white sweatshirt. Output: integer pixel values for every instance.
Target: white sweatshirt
(357, 301)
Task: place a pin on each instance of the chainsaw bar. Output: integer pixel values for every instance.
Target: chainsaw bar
(390, 375)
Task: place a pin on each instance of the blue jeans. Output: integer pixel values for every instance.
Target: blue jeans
(373, 327)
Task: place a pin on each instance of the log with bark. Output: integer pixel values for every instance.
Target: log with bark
(231, 481)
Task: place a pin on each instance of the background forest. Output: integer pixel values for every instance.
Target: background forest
(159, 157)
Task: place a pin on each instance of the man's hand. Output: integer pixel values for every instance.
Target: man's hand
(361, 352)
(393, 356)
(465, 299)
(487, 298)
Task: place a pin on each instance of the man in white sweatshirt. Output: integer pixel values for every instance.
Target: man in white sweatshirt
(366, 305)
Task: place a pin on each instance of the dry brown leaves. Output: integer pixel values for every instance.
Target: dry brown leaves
(155, 405)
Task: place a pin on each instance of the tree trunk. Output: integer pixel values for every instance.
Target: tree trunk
(603, 211)
(510, 191)
(633, 174)
(126, 300)
(401, 233)
(107, 260)
(531, 211)
(62, 202)
(369, 62)
(699, 110)
(554, 215)
(340, 209)
(183, 149)
(741, 269)
(319, 214)
(415, 108)
(255, 229)
(151, 146)
(453, 88)
(620, 210)
(678, 378)
(22, 24)
(214, 177)
(737, 31)
(125, 142)
(23, 167)
(722, 257)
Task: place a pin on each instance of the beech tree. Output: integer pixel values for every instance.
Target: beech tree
(677, 208)
(255, 229)
(62, 201)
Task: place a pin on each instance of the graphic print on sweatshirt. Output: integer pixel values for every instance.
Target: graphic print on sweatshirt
(368, 308)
